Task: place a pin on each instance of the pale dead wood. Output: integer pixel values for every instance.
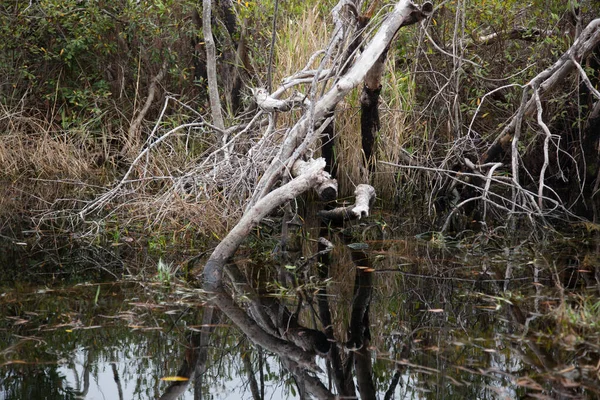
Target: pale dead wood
(211, 65)
(550, 77)
(364, 195)
(402, 12)
(327, 191)
(312, 176)
(134, 128)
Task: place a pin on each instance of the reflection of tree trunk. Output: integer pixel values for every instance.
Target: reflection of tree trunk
(117, 379)
(363, 288)
(341, 370)
(246, 354)
(312, 384)
(261, 373)
(360, 334)
(364, 372)
(258, 335)
(256, 306)
(86, 375)
(209, 319)
(190, 366)
(389, 394)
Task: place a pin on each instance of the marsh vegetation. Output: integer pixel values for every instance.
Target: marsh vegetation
(385, 199)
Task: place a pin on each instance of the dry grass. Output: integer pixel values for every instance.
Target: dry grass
(32, 148)
(174, 183)
(40, 168)
(297, 41)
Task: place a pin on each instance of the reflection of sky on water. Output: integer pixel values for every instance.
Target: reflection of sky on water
(103, 385)
(452, 312)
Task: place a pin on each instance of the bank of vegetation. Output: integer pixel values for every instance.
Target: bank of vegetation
(478, 113)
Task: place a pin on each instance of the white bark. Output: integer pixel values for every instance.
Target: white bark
(402, 14)
(364, 194)
(211, 65)
(313, 176)
(327, 190)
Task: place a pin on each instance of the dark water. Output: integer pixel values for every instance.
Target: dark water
(410, 318)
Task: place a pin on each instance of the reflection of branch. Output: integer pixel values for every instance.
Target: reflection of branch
(242, 288)
(257, 335)
(117, 379)
(360, 334)
(250, 373)
(389, 394)
(188, 366)
(340, 370)
(86, 376)
(312, 385)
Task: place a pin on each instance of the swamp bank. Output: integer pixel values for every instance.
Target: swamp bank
(201, 199)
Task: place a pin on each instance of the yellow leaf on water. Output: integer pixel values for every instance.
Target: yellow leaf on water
(175, 379)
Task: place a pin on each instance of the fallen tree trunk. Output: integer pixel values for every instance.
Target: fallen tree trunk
(298, 139)
(313, 176)
(265, 199)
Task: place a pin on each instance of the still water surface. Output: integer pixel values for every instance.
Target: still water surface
(441, 320)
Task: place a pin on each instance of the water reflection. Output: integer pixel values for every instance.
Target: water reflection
(356, 314)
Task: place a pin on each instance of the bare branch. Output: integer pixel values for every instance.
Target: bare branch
(211, 65)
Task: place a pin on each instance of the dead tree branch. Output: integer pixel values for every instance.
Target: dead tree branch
(135, 126)
(211, 65)
(403, 12)
(545, 82)
(364, 196)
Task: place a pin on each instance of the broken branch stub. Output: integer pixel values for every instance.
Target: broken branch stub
(327, 190)
(364, 195)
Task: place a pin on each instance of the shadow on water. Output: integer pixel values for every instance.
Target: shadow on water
(354, 312)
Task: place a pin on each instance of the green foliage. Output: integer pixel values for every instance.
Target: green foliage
(78, 59)
(165, 272)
